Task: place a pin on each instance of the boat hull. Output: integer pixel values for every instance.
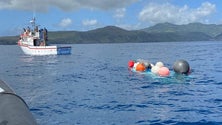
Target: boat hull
(45, 50)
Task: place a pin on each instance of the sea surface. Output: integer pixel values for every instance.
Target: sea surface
(93, 85)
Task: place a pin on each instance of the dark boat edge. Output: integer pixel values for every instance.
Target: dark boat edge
(14, 110)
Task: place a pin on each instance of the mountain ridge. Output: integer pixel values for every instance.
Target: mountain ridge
(162, 32)
(209, 29)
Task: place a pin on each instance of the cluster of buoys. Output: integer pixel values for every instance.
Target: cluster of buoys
(180, 67)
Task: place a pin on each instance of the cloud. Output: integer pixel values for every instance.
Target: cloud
(159, 13)
(120, 13)
(65, 22)
(28, 5)
(89, 22)
(65, 5)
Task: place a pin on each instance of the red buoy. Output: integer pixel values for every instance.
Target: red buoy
(131, 64)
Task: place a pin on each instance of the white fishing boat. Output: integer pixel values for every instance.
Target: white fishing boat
(34, 42)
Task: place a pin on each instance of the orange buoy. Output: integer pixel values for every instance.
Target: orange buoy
(164, 71)
(131, 64)
(140, 67)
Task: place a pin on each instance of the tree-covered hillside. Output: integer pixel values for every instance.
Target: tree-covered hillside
(163, 32)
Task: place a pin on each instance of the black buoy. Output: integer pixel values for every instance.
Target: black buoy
(147, 65)
(181, 66)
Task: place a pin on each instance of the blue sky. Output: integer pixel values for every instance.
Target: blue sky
(83, 15)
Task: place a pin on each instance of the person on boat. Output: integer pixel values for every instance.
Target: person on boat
(36, 36)
(45, 32)
(28, 31)
(41, 37)
(22, 33)
(36, 32)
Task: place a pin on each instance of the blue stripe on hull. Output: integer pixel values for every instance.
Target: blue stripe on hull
(64, 50)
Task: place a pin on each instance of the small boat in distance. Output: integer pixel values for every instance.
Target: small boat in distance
(34, 42)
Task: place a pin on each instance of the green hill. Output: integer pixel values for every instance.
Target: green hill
(9, 40)
(159, 33)
(209, 29)
(112, 34)
(218, 37)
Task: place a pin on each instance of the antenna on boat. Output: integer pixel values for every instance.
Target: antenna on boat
(33, 21)
(33, 16)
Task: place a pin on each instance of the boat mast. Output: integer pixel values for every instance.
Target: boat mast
(33, 16)
(33, 22)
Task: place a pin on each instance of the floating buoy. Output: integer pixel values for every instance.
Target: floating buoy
(155, 69)
(147, 65)
(135, 64)
(131, 64)
(181, 67)
(159, 64)
(140, 67)
(164, 71)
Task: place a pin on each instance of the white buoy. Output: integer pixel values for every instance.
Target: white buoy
(155, 69)
(159, 64)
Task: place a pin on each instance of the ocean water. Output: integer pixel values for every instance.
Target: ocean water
(93, 86)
